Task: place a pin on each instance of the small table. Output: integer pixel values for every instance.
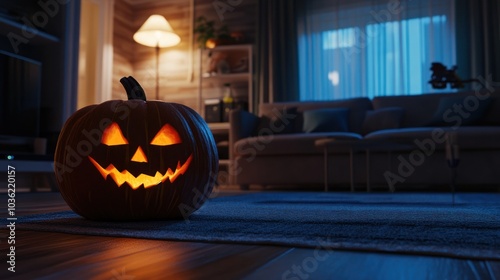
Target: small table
(38, 164)
(354, 145)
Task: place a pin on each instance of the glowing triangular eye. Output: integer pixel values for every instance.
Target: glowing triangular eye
(166, 136)
(113, 136)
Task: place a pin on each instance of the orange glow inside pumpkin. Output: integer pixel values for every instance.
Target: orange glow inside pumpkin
(139, 156)
(142, 179)
(166, 136)
(113, 136)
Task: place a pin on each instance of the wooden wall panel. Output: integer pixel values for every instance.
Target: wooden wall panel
(179, 65)
(123, 46)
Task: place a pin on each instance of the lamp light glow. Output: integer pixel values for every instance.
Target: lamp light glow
(156, 32)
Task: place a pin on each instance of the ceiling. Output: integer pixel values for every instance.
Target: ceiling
(136, 3)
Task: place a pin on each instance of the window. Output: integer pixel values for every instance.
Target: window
(356, 48)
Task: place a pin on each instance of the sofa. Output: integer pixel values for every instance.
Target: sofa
(277, 146)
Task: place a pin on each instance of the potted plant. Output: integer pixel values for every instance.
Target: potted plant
(208, 35)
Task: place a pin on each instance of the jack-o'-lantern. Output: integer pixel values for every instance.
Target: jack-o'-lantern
(135, 159)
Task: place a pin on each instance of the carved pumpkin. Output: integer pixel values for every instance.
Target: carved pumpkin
(135, 159)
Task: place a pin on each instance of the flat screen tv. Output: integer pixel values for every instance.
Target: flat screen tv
(20, 82)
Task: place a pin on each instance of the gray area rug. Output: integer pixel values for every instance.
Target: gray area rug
(402, 222)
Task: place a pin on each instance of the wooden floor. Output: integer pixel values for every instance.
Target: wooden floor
(48, 255)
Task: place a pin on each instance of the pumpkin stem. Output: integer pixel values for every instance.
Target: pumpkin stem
(133, 88)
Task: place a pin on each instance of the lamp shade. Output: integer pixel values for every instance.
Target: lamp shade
(156, 31)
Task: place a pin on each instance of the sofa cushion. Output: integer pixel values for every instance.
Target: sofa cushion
(384, 118)
(418, 109)
(468, 137)
(357, 108)
(459, 110)
(287, 144)
(326, 120)
(492, 115)
(280, 122)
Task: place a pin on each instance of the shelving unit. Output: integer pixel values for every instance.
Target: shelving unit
(48, 35)
(211, 81)
(7, 26)
(219, 127)
(231, 64)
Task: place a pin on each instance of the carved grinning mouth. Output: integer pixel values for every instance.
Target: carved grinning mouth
(142, 179)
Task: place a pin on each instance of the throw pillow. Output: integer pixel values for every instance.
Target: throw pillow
(280, 122)
(326, 120)
(384, 118)
(459, 110)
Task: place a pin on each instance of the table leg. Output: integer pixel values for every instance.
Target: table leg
(325, 167)
(368, 187)
(391, 187)
(351, 162)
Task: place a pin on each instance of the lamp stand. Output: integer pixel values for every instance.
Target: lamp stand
(158, 71)
(156, 32)
(453, 159)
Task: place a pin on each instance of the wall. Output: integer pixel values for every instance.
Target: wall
(123, 47)
(179, 67)
(87, 61)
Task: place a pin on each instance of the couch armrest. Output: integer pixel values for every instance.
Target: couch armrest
(242, 125)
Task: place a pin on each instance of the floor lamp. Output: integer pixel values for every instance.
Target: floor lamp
(157, 33)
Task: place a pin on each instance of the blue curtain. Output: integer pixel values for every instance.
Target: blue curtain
(276, 63)
(478, 39)
(371, 48)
